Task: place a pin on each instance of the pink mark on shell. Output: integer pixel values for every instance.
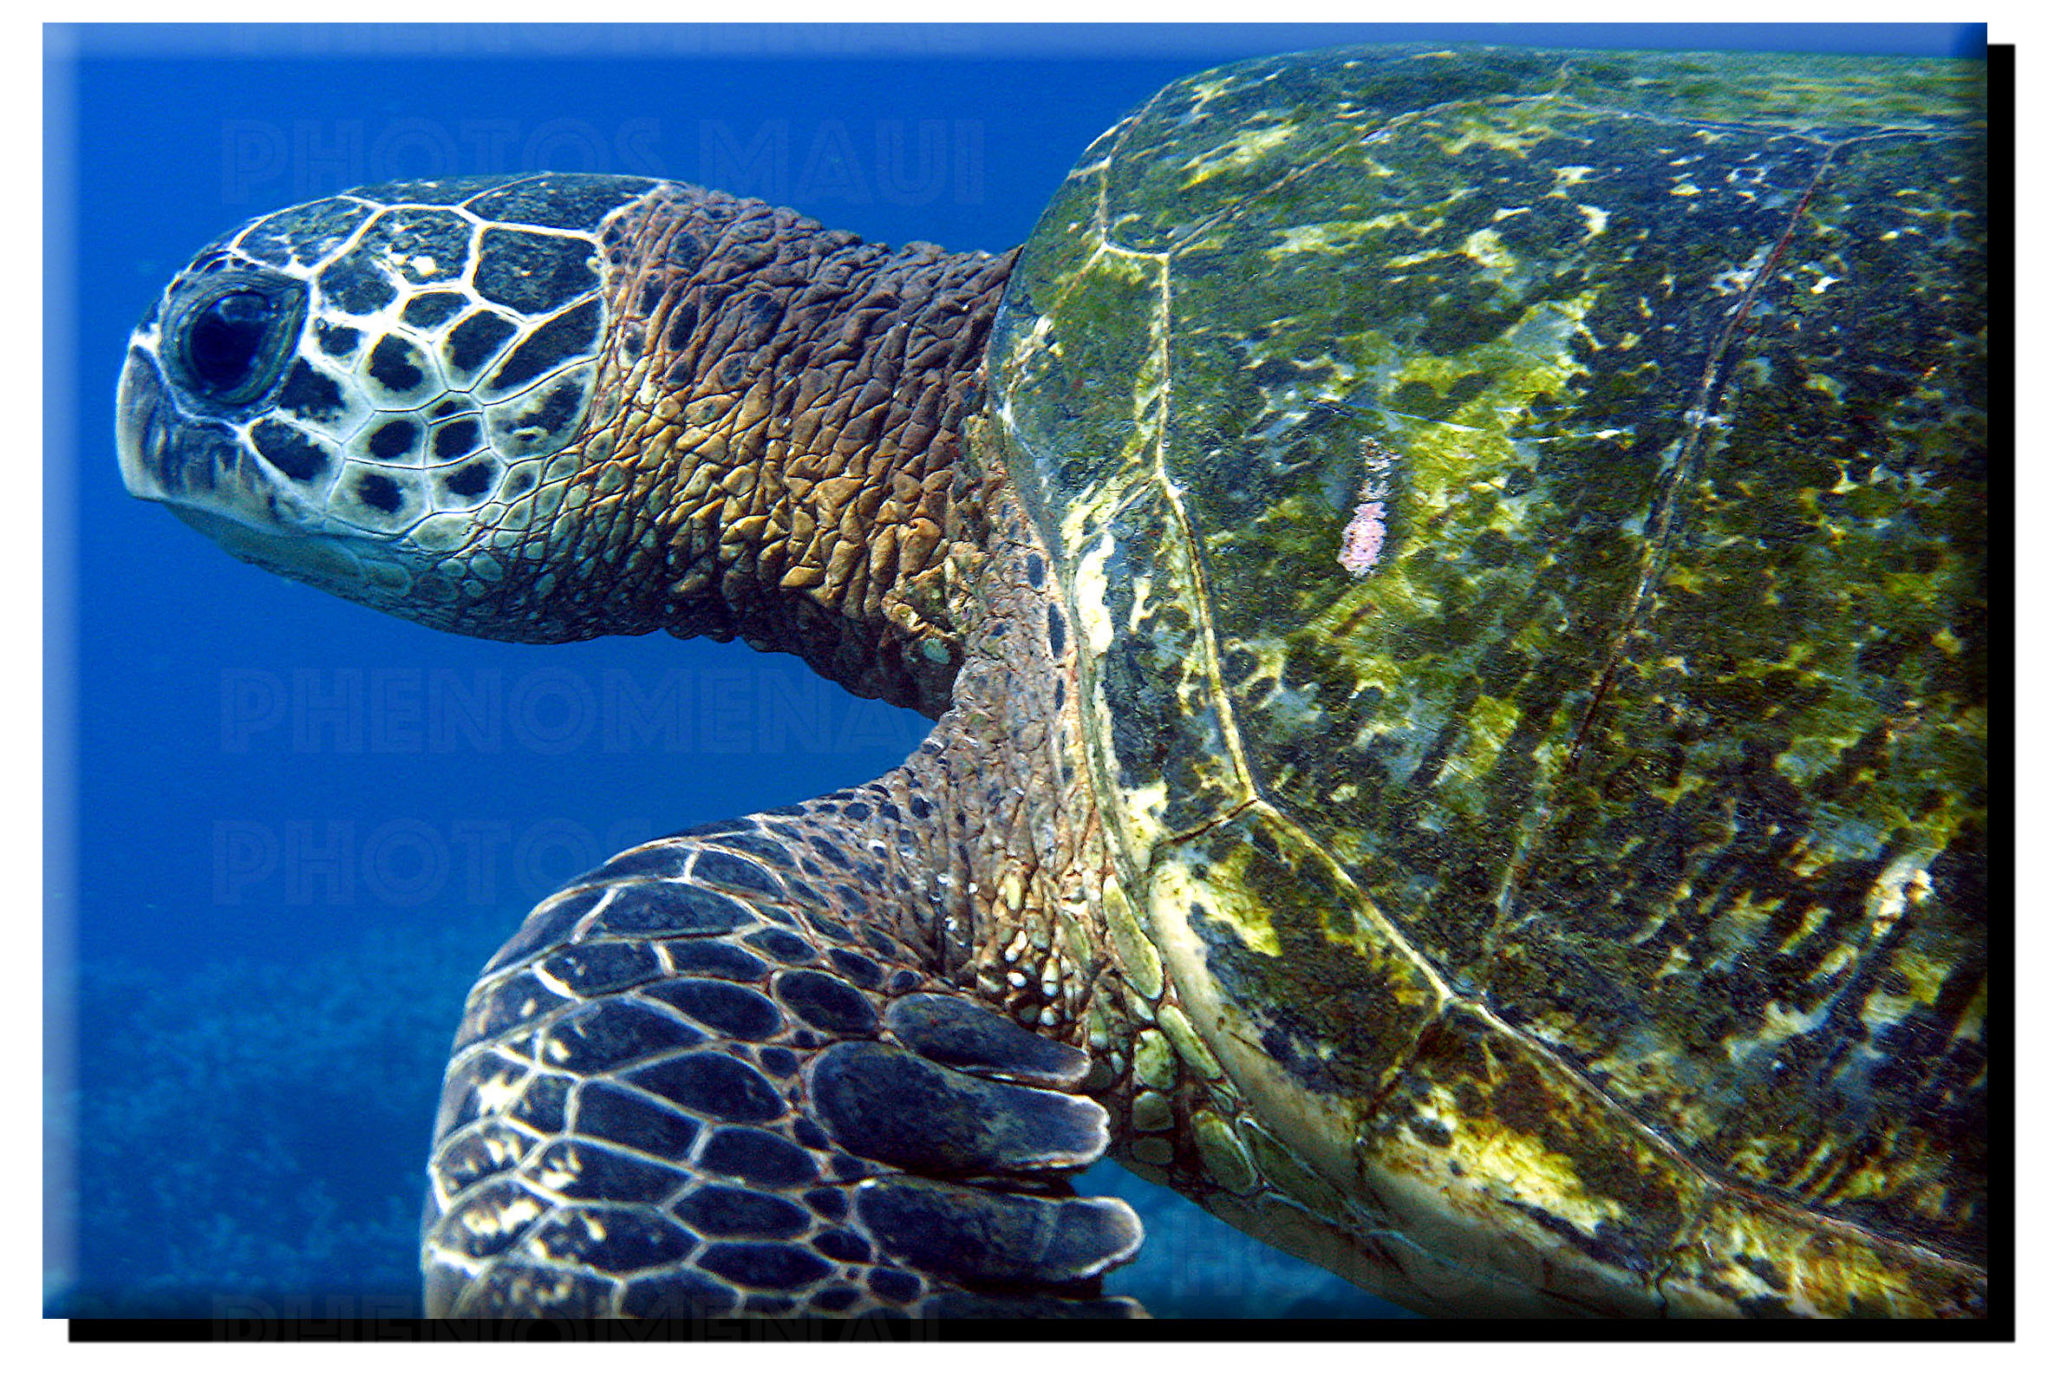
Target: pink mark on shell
(1364, 538)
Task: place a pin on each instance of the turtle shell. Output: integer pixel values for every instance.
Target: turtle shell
(1523, 517)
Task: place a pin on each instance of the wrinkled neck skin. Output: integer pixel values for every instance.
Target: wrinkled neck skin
(787, 463)
(775, 450)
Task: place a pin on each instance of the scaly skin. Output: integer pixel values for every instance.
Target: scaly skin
(789, 403)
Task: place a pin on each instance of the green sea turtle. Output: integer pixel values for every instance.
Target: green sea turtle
(1450, 587)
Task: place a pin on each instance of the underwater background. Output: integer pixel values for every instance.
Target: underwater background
(284, 832)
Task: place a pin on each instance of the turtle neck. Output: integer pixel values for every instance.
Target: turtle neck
(775, 452)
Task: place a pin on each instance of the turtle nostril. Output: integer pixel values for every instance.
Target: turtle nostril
(225, 339)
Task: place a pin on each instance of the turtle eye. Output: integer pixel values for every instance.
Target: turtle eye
(226, 338)
(232, 339)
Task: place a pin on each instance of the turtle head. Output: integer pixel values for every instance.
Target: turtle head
(376, 393)
(561, 406)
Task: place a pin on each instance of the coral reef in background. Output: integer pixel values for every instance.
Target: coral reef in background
(251, 1139)
(255, 1133)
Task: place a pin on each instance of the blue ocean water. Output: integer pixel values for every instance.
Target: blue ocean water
(284, 831)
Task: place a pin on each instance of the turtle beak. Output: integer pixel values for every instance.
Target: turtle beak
(185, 461)
(139, 425)
(198, 468)
(166, 454)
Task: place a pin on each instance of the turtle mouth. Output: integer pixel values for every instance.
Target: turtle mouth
(200, 468)
(168, 456)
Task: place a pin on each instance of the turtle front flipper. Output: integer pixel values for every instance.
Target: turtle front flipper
(701, 1080)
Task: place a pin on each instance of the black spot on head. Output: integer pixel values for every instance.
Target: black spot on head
(310, 393)
(1034, 570)
(1056, 630)
(380, 492)
(290, 451)
(1287, 1047)
(397, 365)
(533, 274)
(356, 284)
(471, 343)
(433, 308)
(338, 341)
(567, 338)
(457, 438)
(471, 480)
(551, 416)
(393, 438)
(420, 245)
